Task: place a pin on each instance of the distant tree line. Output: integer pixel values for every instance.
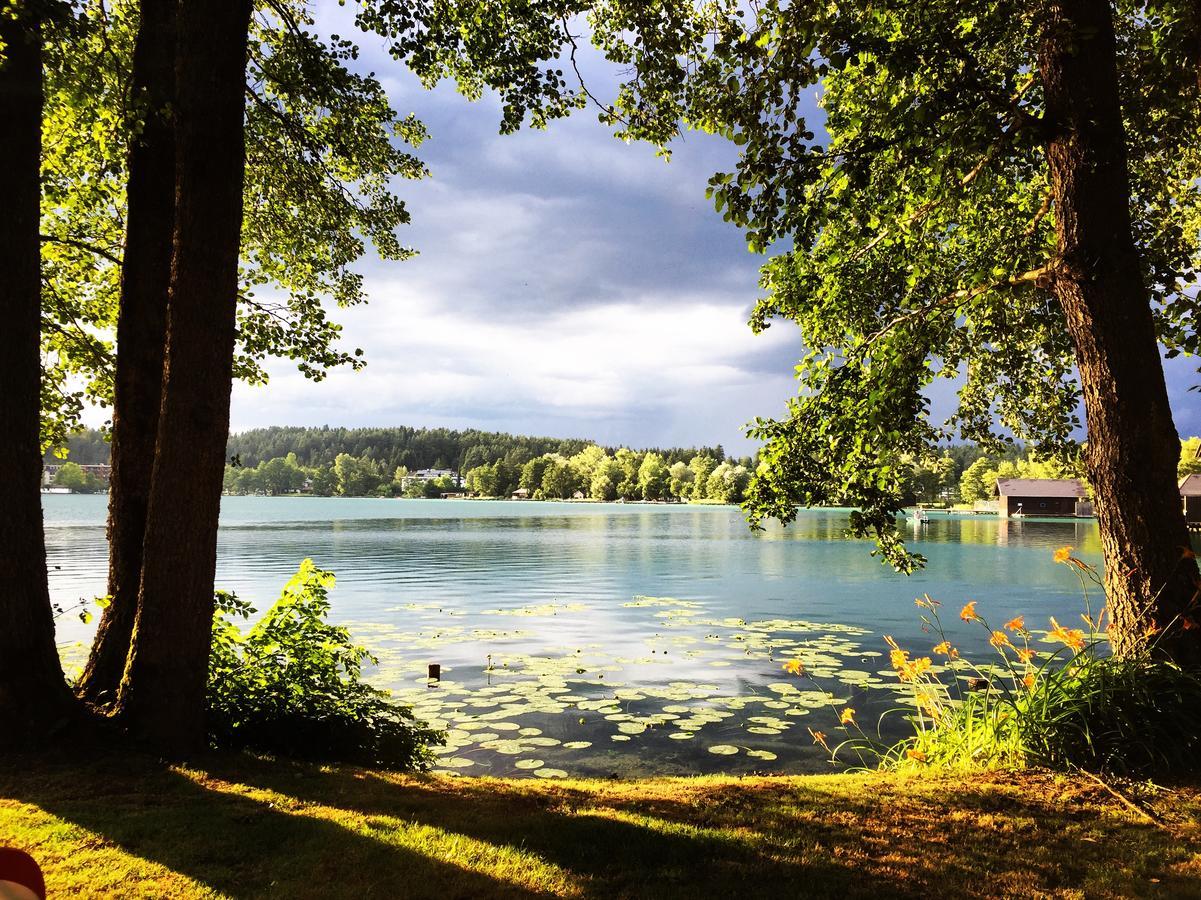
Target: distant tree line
(598, 473)
(414, 448)
(373, 462)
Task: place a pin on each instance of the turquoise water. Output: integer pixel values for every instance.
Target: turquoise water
(651, 634)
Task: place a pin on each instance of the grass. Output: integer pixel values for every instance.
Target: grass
(239, 826)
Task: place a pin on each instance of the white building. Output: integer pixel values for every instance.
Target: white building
(423, 475)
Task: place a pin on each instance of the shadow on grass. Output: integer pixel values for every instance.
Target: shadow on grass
(622, 849)
(252, 827)
(339, 833)
(859, 838)
(236, 844)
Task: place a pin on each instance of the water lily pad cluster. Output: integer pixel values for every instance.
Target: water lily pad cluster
(671, 682)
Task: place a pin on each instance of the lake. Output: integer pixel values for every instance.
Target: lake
(598, 639)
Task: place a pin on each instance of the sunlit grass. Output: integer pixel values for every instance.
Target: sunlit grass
(246, 827)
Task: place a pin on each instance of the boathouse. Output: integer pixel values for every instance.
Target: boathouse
(1190, 493)
(1039, 496)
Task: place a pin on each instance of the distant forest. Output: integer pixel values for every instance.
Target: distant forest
(391, 448)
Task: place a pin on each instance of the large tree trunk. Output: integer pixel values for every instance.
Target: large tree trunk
(33, 695)
(162, 696)
(1133, 446)
(141, 333)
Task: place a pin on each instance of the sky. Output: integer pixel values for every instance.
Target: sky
(567, 284)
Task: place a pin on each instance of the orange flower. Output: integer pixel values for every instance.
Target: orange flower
(794, 667)
(819, 737)
(946, 650)
(847, 717)
(919, 755)
(1029, 680)
(1071, 637)
(999, 639)
(1017, 623)
(1063, 554)
(968, 613)
(1026, 655)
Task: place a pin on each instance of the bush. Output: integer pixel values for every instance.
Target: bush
(1073, 707)
(292, 685)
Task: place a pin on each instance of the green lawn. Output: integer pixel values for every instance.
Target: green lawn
(242, 827)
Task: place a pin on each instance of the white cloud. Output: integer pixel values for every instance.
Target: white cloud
(660, 373)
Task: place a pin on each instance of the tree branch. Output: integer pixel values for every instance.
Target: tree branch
(82, 245)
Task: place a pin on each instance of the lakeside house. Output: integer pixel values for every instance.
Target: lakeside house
(1042, 497)
(101, 471)
(521, 494)
(421, 476)
(1190, 495)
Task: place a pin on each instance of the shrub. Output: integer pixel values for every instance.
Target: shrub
(292, 685)
(1076, 706)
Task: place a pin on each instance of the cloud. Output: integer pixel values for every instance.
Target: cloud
(567, 284)
(622, 372)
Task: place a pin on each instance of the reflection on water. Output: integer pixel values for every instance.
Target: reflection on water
(612, 638)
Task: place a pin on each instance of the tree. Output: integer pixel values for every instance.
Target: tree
(681, 479)
(727, 483)
(1007, 192)
(33, 695)
(532, 473)
(978, 481)
(931, 476)
(1190, 457)
(325, 481)
(585, 462)
(141, 335)
(162, 694)
(559, 480)
(701, 467)
(73, 477)
(627, 486)
(355, 477)
(652, 477)
(605, 479)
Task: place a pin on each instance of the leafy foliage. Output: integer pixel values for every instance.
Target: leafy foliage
(292, 684)
(323, 146)
(912, 240)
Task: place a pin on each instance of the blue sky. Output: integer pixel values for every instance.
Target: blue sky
(567, 284)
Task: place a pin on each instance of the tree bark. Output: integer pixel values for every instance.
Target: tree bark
(1150, 581)
(162, 694)
(33, 695)
(141, 334)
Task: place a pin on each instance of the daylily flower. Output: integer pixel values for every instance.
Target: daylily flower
(1029, 680)
(968, 613)
(819, 737)
(1071, 637)
(1026, 654)
(794, 667)
(946, 650)
(999, 639)
(1017, 623)
(847, 717)
(1063, 554)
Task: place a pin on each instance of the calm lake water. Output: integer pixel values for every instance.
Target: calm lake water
(599, 639)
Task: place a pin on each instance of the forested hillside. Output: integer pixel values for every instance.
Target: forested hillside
(391, 448)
